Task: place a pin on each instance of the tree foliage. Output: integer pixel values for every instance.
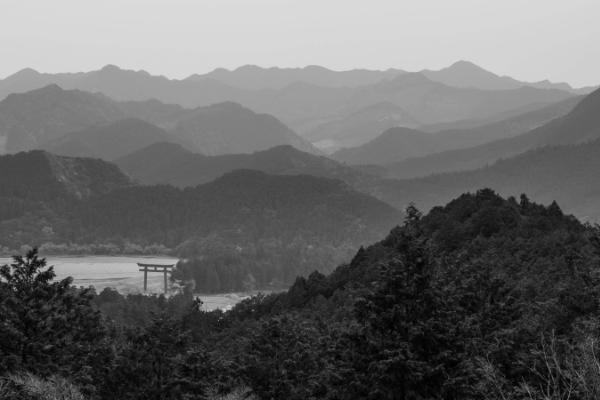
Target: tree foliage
(484, 298)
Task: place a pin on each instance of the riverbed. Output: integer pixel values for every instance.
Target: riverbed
(122, 274)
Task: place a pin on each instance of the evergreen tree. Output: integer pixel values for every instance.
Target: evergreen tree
(48, 326)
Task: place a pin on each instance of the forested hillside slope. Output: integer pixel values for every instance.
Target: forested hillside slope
(484, 298)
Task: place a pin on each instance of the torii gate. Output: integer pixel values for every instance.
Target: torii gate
(155, 268)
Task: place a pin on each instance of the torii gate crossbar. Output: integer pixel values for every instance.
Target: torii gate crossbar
(155, 268)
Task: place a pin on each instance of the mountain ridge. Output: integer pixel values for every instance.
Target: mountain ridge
(301, 106)
(580, 124)
(40, 118)
(397, 144)
(566, 174)
(172, 164)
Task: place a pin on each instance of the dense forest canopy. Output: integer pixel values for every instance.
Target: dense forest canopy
(245, 230)
(484, 298)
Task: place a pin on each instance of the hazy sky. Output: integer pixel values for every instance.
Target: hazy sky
(527, 39)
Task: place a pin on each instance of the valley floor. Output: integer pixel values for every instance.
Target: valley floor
(121, 273)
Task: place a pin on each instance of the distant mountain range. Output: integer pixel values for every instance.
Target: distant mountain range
(560, 164)
(229, 128)
(471, 127)
(462, 74)
(397, 144)
(465, 74)
(567, 174)
(558, 161)
(30, 119)
(429, 102)
(168, 163)
(270, 194)
(109, 141)
(307, 98)
(392, 145)
(359, 127)
(580, 125)
(77, 123)
(252, 77)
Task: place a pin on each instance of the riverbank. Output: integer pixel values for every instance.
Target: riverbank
(121, 273)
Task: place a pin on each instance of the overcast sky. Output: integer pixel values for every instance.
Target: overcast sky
(527, 39)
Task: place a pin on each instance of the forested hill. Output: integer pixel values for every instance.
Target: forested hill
(467, 302)
(40, 176)
(250, 230)
(510, 239)
(244, 206)
(38, 189)
(484, 298)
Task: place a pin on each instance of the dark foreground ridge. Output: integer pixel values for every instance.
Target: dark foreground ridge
(484, 298)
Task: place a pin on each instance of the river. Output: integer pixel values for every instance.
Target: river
(122, 274)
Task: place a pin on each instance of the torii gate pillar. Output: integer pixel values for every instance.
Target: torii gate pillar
(155, 268)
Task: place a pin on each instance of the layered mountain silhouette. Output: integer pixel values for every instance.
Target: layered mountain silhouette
(429, 102)
(566, 174)
(469, 123)
(66, 199)
(125, 85)
(392, 145)
(580, 125)
(255, 78)
(221, 128)
(359, 127)
(77, 123)
(109, 141)
(31, 119)
(252, 77)
(168, 163)
(228, 128)
(161, 114)
(398, 144)
(468, 75)
(302, 105)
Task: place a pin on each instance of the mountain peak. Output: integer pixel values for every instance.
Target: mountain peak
(316, 68)
(25, 73)
(587, 108)
(112, 71)
(51, 89)
(464, 65)
(248, 68)
(110, 68)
